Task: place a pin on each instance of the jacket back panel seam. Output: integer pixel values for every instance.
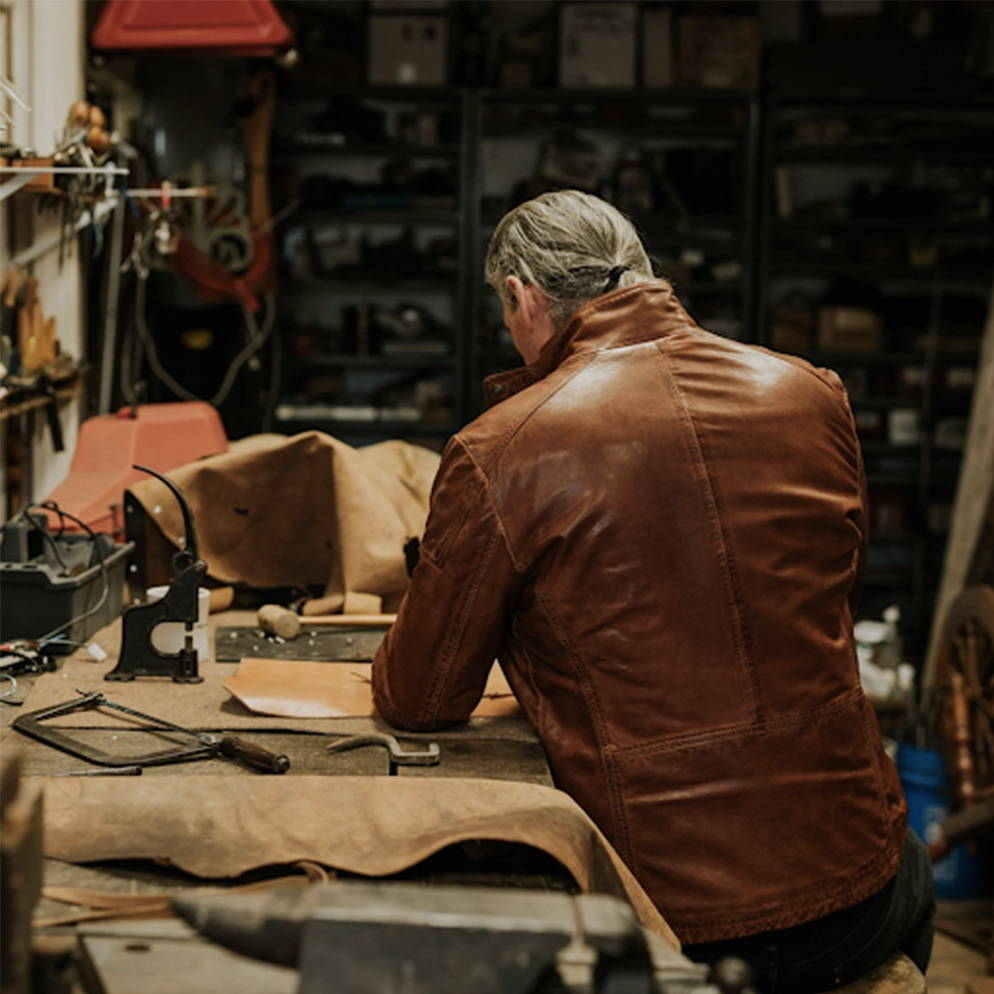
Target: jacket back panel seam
(729, 576)
(597, 716)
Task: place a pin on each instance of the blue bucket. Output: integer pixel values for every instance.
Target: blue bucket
(966, 872)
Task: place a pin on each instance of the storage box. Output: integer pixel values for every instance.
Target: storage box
(849, 329)
(657, 49)
(719, 53)
(792, 329)
(597, 44)
(36, 595)
(410, 50)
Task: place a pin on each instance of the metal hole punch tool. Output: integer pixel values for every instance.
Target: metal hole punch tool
(139, 657)
(206, 747)
(398, 757)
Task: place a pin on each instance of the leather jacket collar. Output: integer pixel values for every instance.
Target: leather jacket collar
(638, 313)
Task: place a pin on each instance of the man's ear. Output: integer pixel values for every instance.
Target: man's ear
(515, 292)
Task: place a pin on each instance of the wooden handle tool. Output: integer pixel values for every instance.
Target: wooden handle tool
(253, 754)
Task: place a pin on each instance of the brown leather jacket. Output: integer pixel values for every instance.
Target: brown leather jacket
(660, 533)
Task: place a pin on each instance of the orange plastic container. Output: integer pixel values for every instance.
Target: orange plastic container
(160, 436)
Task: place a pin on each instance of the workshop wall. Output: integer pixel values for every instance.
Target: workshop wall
(47, 44)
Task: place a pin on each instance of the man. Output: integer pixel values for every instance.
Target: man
(660, 533)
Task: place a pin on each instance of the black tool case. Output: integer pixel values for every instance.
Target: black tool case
(39, 593)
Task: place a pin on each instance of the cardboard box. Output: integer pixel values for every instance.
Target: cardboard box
(410, 50)
(720, 53)
(658, 71)
(597, 44)
(792, 329)
(849, 329)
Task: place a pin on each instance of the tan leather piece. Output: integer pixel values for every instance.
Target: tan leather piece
(104, 905)
(303, 511)
(300, 689)
(660, 533)
(217, 826)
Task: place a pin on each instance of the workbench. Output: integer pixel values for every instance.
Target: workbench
(139, 957)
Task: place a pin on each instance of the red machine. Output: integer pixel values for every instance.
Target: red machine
(161, 436)
(229, 27)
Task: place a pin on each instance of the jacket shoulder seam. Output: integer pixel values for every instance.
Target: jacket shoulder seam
(505, 440)
(516, 562)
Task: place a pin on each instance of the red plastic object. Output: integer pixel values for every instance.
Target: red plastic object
(235, 27)
(162, 437)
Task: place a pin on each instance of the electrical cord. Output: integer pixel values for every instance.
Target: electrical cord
(256, 338)
(50, 505)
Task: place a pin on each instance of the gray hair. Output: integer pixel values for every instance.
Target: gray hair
(566, 244)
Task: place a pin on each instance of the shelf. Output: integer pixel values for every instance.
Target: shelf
(368, 427)
(789, 226)
(895, 538)
(732, 287)
(20, 400)
(386, 149)
(419, 361)
(876, 154)
(371, 288)
(397, 92)
(889, 358)
(656, 132)
(579, 94)
(363, 215)
(905, 278)
(884, 403)
(902, 580)
(891, 480)
(876, 448)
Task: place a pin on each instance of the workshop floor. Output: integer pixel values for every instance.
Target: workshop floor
(958, 968)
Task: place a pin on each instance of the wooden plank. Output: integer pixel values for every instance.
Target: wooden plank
(20, 874)
(970, 550)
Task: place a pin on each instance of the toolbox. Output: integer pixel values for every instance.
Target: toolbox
(48, 580)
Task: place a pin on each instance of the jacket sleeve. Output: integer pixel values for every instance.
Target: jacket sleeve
(433, 664)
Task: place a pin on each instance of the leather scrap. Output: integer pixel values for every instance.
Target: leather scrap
(221, 826)
(303, 511)
(105, 905)
(299, 689)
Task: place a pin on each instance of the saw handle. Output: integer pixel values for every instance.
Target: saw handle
(253, 755)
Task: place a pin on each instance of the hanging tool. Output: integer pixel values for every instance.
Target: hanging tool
(431, 756)
(139, 656)
(207, 746)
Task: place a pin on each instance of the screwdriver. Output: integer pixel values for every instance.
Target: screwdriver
(230, 746)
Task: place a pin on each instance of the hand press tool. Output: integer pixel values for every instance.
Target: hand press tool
(206, 747)
(139, 657)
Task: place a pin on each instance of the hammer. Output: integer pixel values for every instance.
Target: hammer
(286, 624)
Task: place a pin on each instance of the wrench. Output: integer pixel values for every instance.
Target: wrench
(398, 757)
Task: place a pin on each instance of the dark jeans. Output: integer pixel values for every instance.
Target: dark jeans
(843, 946)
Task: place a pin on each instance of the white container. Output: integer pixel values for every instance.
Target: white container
(170, 636)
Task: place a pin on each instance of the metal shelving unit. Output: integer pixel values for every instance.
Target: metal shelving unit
(654, 119)
(901, 565)
(370, 214)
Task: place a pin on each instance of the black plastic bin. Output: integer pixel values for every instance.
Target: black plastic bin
(40, 593)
